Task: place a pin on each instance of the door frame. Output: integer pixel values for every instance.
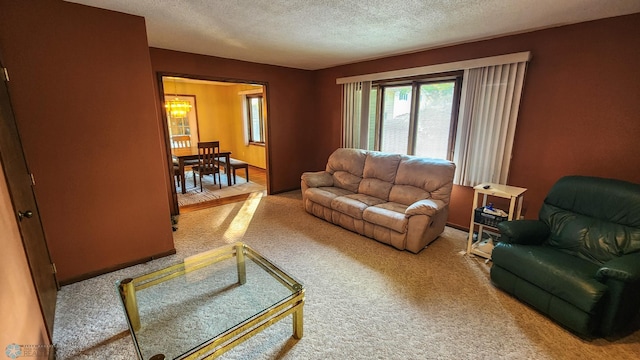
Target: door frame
(172, 194)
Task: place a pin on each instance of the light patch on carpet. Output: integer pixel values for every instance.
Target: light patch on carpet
(241, 221)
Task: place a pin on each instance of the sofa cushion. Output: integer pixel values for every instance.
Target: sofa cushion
(317, 179)
(381, 166)
(375, 187)
(324, 195)
(346, 167)
(348, 160)
(431, 175)
(354, 204)
(407, 194)
(567, 277)
(378, 174)
(389, 215)
(346, 180)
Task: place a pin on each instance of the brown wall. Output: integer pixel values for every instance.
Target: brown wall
(292, 124)
(579, 111)
(81, 87)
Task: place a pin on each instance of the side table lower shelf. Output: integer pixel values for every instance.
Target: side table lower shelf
(481, 245)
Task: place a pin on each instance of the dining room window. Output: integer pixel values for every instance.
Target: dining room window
(255, 118)
(182, 117)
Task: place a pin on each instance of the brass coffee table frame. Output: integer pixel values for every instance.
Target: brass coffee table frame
(234, 336)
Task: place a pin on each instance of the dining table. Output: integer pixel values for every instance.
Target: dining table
(191, 153)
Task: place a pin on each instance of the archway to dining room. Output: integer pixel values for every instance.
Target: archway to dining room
(233, 114)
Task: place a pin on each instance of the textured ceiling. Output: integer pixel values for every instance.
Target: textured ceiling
(314, 34)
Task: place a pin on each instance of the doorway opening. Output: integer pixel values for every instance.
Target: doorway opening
(235, 114)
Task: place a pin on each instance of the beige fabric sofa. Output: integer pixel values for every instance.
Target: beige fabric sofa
(396, 199)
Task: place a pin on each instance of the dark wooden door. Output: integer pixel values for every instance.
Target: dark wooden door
(20, 184)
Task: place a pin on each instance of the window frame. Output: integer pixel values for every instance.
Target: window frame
(415, 84)
(249, 119)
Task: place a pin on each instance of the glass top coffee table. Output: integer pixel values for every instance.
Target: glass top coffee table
(209, 303)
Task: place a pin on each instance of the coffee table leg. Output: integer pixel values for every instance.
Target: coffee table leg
(298, 329)
(128, 294)
(242, 270)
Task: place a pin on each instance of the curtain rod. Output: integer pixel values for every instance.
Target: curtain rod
(438, 68)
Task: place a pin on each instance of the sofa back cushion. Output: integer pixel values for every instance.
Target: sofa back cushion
(422, 178)
(596, 219)
(378, 175)
(346, 166)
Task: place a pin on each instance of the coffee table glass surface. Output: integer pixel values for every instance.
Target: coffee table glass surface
(208, 303)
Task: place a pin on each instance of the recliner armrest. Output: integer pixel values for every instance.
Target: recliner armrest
(625, 268)
(526, 232)
(427, 207)
(317, 179)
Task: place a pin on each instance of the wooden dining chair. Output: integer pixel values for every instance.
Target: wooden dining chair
(180, 141)
(176, 173)
(208, 157)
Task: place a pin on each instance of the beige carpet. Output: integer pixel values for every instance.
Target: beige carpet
(212, 191)
(364, 300)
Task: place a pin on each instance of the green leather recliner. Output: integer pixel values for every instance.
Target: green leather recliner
(580, 262)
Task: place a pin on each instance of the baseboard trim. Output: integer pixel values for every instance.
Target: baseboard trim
(121, 266)
(458, 227)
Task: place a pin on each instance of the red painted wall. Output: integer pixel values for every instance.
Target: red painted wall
(292, 125)
(579, 112)
(82, 90)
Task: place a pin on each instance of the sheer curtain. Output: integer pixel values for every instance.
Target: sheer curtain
(355, 114)
(486, 125)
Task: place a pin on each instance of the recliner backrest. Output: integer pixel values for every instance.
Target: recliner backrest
(379, 173)
(422, 178)
(346, 166)
(594, 218)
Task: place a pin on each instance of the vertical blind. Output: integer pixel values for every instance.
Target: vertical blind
(355, 114)
(487, 123)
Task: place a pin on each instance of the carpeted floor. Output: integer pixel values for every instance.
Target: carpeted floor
(364, 300)
(213, 191)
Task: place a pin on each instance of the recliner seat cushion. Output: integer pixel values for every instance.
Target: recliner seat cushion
(390, 215)
(565, 276)
(324, 195)
(353, 205)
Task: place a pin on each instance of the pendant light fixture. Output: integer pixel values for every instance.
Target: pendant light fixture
(177, 108)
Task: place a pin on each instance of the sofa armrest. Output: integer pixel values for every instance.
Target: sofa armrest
(625, 268)
(526, 232)
(317, 179)
(427, 207)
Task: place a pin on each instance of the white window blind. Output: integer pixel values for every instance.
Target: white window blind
(487, 123)
(355, 114)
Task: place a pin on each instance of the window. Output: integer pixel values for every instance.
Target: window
(468, 115)
(255, 119)
(179, 126)
(415, 118)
